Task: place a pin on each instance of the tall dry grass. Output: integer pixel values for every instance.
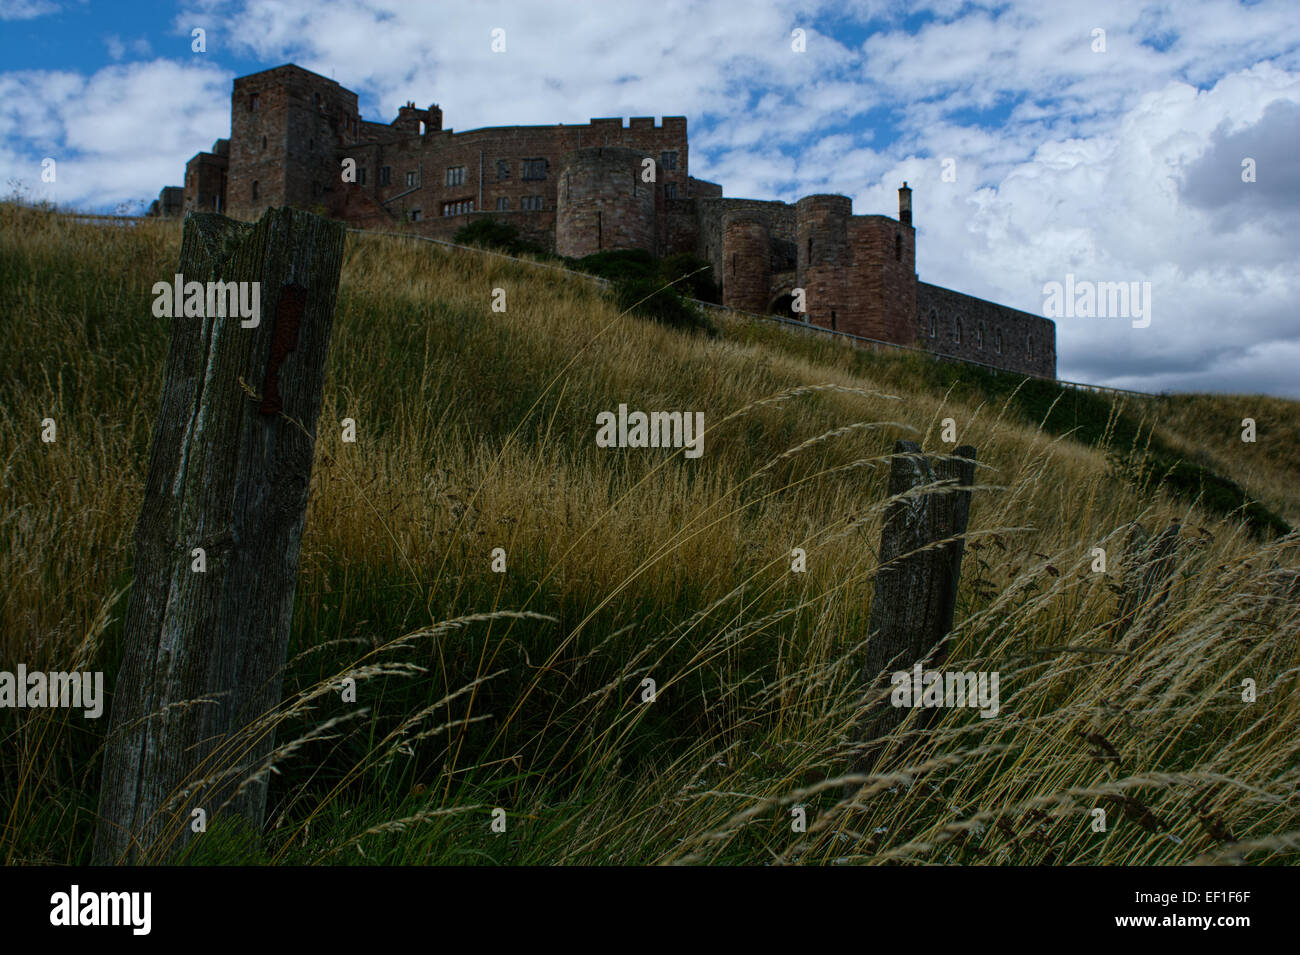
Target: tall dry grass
(523, 690)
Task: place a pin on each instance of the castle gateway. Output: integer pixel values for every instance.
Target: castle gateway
(578, 190)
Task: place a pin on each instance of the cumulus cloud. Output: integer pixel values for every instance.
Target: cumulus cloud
(26, 9)
(1122, 165)
(121, 133)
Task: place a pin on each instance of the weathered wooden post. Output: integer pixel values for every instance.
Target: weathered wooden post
(216, 546)
(921, 547)
(1149, 564)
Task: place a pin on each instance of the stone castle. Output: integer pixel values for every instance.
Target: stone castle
(580, 189)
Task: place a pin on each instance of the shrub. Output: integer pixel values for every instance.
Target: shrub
(488, 233)
(649, 298)
(619, 264)
(699, 284)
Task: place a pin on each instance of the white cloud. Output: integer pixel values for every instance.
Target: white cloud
(1067, 160)
(122, 133)
(26, 9)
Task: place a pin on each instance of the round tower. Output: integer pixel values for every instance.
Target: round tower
(602, 202)
(746, 261)
(822, 255)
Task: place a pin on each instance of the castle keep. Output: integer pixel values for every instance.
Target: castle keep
(579, 189)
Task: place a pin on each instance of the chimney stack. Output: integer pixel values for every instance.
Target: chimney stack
(905, 204)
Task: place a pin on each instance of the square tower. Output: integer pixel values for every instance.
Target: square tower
(286, 126)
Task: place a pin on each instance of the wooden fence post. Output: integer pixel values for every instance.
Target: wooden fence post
(229, 468)
(916, 584)
(1149, 563)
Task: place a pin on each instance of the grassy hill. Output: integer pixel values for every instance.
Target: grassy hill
(523, 690)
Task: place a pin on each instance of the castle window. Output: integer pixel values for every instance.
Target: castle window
(531, 203)
(385, 175)
(457, 208)
(416, 215)
(455, 175)
(670, 190)
(1029, 346)
(410, 178)
(264, 142)
(934, 323)
(254, 188)
(252, 103)
(318, 100)
(832, 319)
(898, 246)
(997, 342)
(311, 145)
(809, 248)
(503, 204)
(361, 176)
(668, 159)
(956, 332)
(534, 169)
(979, 336)
(503, 170)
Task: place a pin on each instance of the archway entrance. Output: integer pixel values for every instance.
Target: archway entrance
(783, 305)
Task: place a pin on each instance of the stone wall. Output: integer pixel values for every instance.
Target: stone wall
(971, 328)
(454, 175)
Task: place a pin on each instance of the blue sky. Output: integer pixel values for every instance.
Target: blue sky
(1120, 164)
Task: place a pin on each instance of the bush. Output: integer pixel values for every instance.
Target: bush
(649, 298)
(488, 233)
(699, 285)
(619, 265)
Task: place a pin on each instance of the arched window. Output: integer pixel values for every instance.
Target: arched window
(997, 342)
(934, 323)
(254, 188)
(979, 336)
(956, 331)
(263, 142)
(898, 247)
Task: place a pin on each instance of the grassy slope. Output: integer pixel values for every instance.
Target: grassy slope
(476, 430)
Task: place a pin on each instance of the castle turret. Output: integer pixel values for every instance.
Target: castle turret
(603, 203)
(822, 253)
(746, 261)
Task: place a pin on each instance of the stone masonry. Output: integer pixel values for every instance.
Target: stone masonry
(586, 188)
